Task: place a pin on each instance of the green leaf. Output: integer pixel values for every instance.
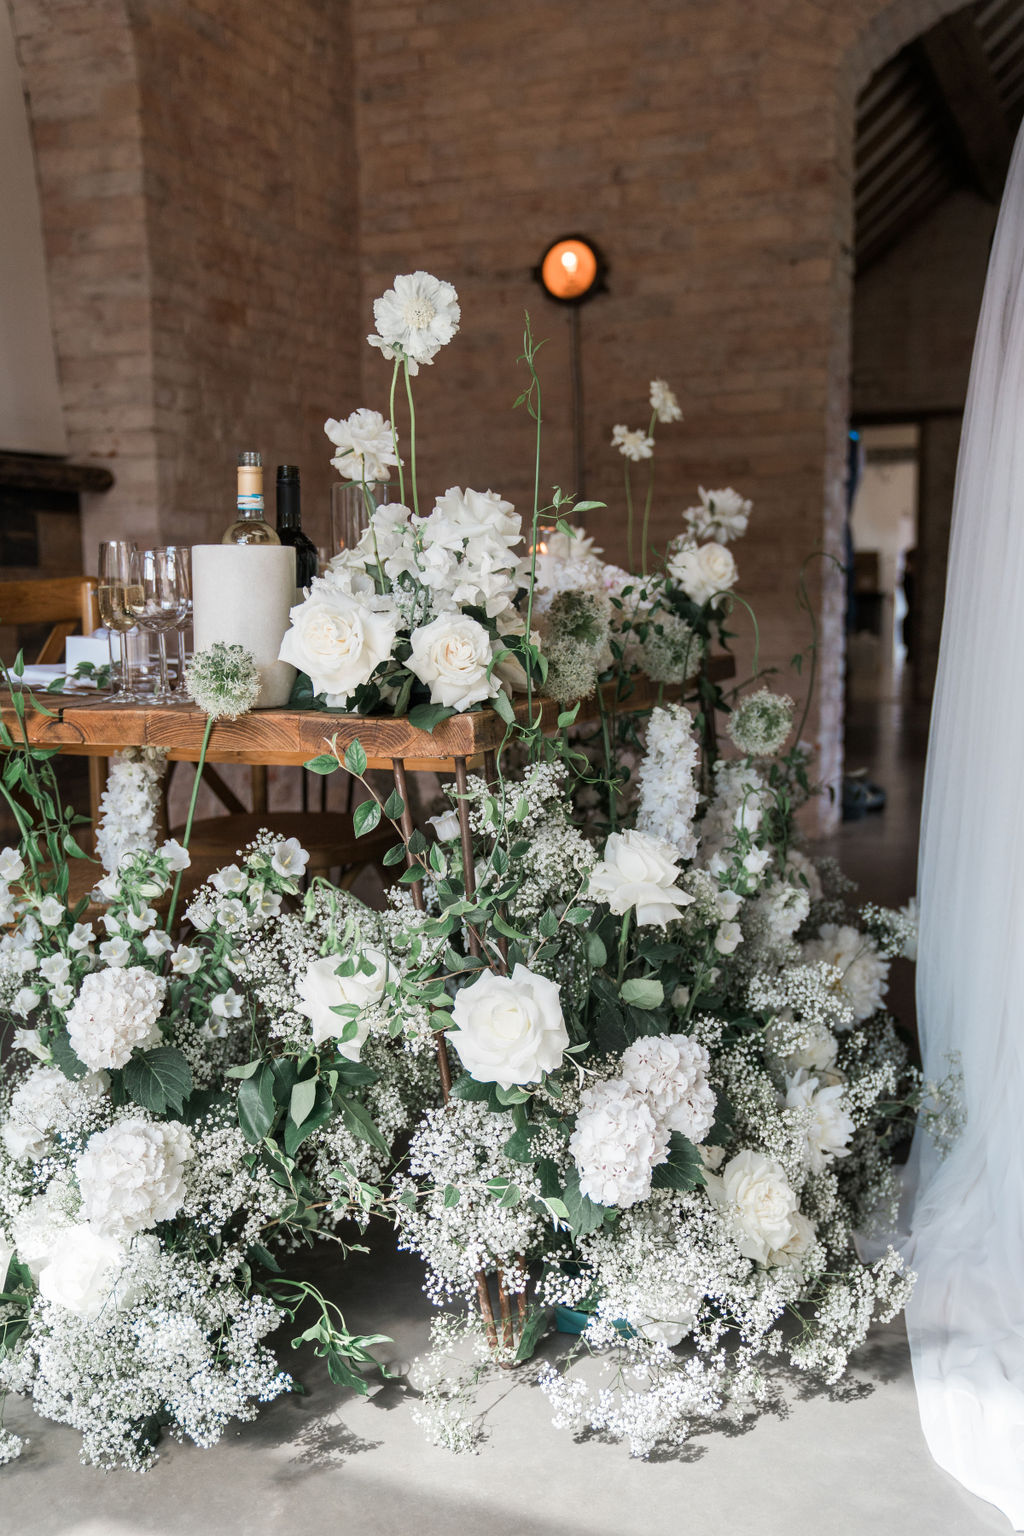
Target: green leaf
(597, 955)
(578, 915)
(684, 1168)
(424, 717)
(557, 1207)
(512, 1196)
(358, 1120)
(517, 1147)
(325, 764)
(243, 1072)
(584, 1214)
(452, 1196)
(548, 924)
(643, 992)
(365, 817)
(394, 806)
(257, 1107)
(355, 760)
(394, 855)
(536, 1326)
(303, 1097)
(568, 716)
(466, 1087)
(319, 1113)
(504, 709)
(158, 1080)
(64, 1057)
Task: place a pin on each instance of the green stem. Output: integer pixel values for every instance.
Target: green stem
(608, 766)
(535, 407)
(189, 819)
(623, 939)
(629, 517)
(412, 438)
(394, 433)
(650, 498)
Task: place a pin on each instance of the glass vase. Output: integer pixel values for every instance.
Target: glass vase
(350, 511)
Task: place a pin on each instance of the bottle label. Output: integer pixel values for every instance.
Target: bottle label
(249, 501)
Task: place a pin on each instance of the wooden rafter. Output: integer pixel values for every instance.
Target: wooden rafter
(953, 55)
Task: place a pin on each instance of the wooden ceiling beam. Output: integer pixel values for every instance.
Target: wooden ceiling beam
(954, 58)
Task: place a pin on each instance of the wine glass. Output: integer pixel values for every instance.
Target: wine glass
(185, 576)
(158, 598)
(112, 590)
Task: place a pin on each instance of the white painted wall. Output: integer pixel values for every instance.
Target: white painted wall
(31, 420)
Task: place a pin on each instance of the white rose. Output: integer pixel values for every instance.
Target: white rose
(131, 1175)
(667, 1331)
(446, 826)
(322, 989)
(799, 1245)
(763, 1207)
(338, 640)
(451, 655)
(703, 571)
(639, 871)
(510, 1028)
(824, 1119)
(87, 1273)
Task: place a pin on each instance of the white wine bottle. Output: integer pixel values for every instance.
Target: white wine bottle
(250, 526)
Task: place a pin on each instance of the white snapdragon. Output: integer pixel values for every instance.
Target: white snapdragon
(130, 805)
(510, 1029)
(668, 789)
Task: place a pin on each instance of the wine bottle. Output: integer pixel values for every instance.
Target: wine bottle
(289, 524)
(250, 526)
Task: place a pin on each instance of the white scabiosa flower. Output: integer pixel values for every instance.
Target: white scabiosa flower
(116, 1012)
(366, 449)
(669, 1072)
(510, 1029)
(617, 1143)
(663, 402)
(864, 974)
(132, 1175)
(415, 318)
(635, 445)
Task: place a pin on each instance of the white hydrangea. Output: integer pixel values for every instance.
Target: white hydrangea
(46, 1102)
(116, 1012)
(132, 1175)
(617, 1143)
(669, 1073)
(668, 790)
(863, 973)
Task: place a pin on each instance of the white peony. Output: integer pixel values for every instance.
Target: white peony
(616, 1144)
(132, 1175)
(824, 1119)
(366, 449)
(703, 571)
(451, 655)
(338, 641)
(510, 1029)
(792, 1255)
(669, 1072)
(419, 315)
(116, 1012)
(90, 1272)
(639, 870)
(322, 989)
(864, 972)
(753, 1190)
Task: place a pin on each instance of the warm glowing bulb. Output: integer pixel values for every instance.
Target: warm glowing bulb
(570, 261)
(569, 269)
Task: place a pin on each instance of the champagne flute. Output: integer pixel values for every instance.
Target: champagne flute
(157, 599)
(185, 577)
(113, 585)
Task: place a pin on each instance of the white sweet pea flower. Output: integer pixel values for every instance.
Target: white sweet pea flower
(178, 858)
(728, 938)
(51, 911)
(446, 826)
(451, 655)
(418, 316)
(510, 1029)
(227, 1005)
(25, 1001)
(55, 969)
(157, 943)
(704, 572)
(338, 640)
(322, 989)
(185, 961)
(81, 936)
(116, 952)
(639, 871)
(289, 859)
(12, 865)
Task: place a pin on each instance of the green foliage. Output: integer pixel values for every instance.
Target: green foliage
(159, 1080)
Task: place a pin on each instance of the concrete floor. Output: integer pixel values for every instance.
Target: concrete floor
(845, 1462)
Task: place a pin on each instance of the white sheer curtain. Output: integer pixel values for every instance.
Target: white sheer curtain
(966, 1319)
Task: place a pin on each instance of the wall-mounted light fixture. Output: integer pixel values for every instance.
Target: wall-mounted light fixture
(571, 271)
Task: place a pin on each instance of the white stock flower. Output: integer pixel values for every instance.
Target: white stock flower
(616, 1144)
(420, 314)
(663, 402)
(639, 871)
(510, 1029)
(635, 445)
(721, 516)
(289, 859)
(864, 972)
(825, 1119)
(321, 990)
(338, 640)
(703, 571)
(115, 1013)
(667, 802)
(753, 1190)
(669, 1072)
(451, 655)
(366, 450)
(446, 826)
(131, 1176)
